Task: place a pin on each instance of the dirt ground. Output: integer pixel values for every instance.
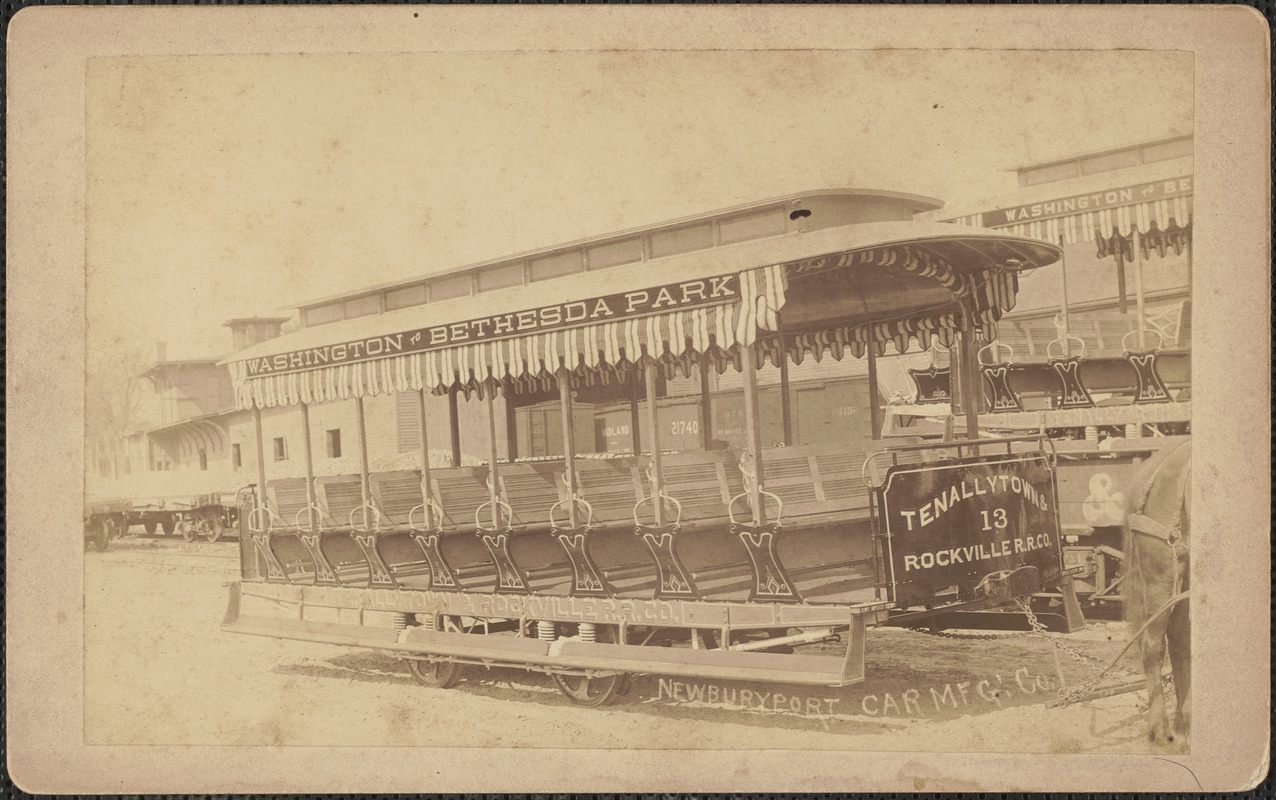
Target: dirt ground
(160, 671)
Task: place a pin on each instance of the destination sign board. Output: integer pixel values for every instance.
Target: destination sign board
(1094, 201)
(607, 308)
(957, 522)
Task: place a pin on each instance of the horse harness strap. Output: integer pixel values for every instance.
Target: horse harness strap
(1171, 534)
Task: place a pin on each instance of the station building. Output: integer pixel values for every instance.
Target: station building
(195, 406)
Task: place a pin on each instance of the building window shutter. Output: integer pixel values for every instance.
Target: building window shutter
(408, 421)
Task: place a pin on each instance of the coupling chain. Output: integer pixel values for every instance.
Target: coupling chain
(980, 637)
(1068, 696)
(1038, 628)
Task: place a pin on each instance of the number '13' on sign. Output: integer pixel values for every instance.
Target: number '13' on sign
(997, 520)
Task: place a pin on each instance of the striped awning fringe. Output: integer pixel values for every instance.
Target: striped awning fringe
(1154, 216)
(1157, 241)
(939, 330)
(916, 260)
(672, 341)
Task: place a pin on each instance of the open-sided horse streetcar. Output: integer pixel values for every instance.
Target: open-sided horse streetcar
(670, 552)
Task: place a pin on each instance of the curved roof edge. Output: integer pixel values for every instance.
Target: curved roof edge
(1023, 252)
(915, 202)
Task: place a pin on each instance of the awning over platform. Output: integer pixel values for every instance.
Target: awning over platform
(1162, 225)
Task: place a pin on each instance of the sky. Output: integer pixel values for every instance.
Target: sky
(230, 186)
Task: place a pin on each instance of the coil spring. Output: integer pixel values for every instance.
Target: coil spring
(1132, 430)
(427, 621)
(399, 621)
(545, 630)
(588, 633)
(1091, 433)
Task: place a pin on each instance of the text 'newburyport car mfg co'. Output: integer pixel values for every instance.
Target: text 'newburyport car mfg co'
(627, 529)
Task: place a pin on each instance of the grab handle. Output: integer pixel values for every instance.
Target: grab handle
(1160, 338)
(1000, 346)
(376, 517)
(663, 499)
(253, 520)
(296, 520)
(500, 504)
(579, 502)
(436, 512)
(779, 505)
(1059, 343)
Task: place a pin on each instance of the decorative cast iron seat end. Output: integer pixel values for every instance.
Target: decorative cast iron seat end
(1149, 388)
(771, 581)
(427, 537)
(496, 538)
(365, 533)
(587, 579)
(1067, 368)
(934, 384)
(261, 526)
(997, 380)
(673, 580)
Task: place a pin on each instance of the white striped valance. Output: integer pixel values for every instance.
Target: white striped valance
(1149, 218)
(532, 361)
(856, 340)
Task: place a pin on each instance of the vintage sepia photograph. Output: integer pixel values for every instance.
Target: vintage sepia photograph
(803, 399)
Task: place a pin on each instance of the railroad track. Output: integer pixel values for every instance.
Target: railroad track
(195, 556)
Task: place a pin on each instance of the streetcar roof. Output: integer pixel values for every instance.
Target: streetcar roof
(968, 248)
(862, 271)
(788, 213)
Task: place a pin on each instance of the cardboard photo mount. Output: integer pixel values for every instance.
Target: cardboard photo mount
(51, 51)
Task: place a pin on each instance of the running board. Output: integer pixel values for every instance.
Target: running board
(811, 670)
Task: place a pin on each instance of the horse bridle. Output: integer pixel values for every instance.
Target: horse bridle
(1171, 534)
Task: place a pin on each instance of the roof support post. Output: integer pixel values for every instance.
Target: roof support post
(1138, 291)
(261, 458)
(753, 433)
(312, 523)
(363, 454)
(1120, 270)
(786, 409)
(1063, 278)
(874, 414)
(493, 478)
(955, 377)
(569, 442)
(511, 425)
(425, 461)
(653, 424)
(706, 406)
(632, 377)
(966, 359)
(454, 419)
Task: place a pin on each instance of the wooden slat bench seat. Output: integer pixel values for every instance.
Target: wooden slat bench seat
(341, 495)
(288, 498)
(824, 545)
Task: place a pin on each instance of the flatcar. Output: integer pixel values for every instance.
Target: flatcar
(700, 549)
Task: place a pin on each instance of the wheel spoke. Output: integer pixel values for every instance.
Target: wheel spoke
(589, 690)
(434, 673)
